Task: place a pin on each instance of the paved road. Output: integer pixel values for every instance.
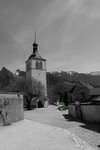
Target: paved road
(30, 135)
(52, 116)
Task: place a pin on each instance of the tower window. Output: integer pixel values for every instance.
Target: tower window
(28, 66)
(38, 65)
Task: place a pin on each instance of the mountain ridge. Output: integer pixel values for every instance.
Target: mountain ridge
(8, 79)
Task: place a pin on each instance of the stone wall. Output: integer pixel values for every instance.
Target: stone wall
(91, 113)
(11, 107)
(86, 112)
(71, 110)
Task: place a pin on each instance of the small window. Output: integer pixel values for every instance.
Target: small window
(36, 65)
(28, 66)
(40, 65)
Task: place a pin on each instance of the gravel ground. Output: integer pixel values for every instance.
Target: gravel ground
(30, 135)
(52, 116)
(43, 129)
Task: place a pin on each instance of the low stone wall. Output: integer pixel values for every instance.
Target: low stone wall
(86, 112)
(11, 107)
(91, 113)
(71, 110)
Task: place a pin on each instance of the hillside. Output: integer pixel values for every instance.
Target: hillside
(61, 82)
(8, 80)
(55, 80)
(74, 77)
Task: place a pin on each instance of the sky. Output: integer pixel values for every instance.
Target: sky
(68, 33)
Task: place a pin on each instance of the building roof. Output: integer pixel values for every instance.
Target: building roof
(36, 58)
(87, 85)
(94, 91)
(10, 92)
(97, 98)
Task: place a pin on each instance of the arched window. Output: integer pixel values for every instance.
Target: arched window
(28, 66)
(37, 65)
(40, 65)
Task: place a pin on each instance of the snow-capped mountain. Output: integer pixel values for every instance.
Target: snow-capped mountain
(95, 73)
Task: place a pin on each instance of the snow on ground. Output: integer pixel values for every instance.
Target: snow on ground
(30, 135)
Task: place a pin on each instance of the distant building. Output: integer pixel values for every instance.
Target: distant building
(20, 73)
(95, 92)
(36, 68)
(95, 95)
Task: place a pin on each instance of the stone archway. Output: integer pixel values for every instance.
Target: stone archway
(40, 105)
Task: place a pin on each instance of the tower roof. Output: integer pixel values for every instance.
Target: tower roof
(35, 37)
(35, 47)
(35, 54)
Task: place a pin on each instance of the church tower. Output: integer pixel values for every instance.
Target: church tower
(36, 69)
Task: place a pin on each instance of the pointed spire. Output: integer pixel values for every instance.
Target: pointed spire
(35, 37)
(35, 46)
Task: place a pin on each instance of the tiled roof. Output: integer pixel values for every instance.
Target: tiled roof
(95, 91)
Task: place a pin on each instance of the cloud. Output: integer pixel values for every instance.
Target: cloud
(95, 14)
(65, 29)
(74, 16)
(58, 9)
(91, 9)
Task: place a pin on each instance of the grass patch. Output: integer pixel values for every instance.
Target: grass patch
(63, 108)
